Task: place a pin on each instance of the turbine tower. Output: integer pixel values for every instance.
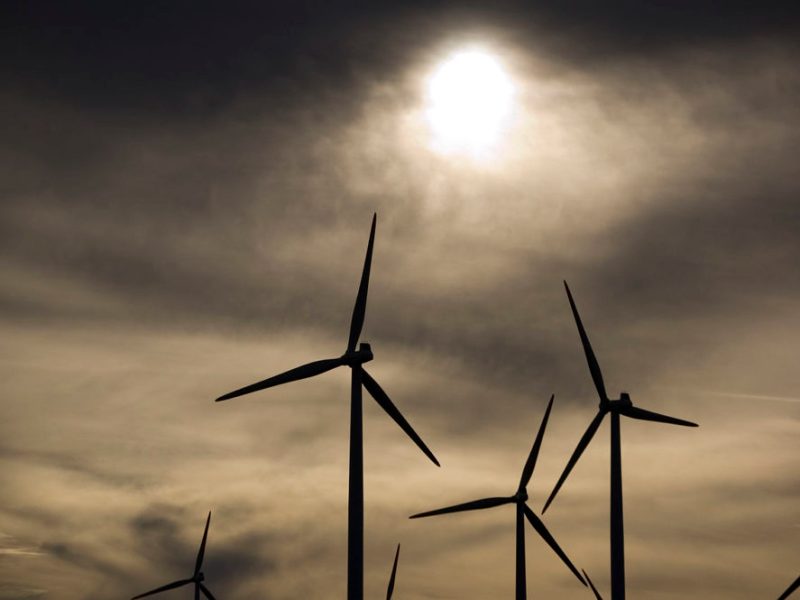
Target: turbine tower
(355, 359)
(622, 406)
(519, 499)
(196, 578)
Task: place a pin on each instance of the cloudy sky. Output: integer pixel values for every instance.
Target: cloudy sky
(186, 195)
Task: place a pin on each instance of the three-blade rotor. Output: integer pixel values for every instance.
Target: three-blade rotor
(623, 406)
(197, 576)
(352, 358)
(520, 499)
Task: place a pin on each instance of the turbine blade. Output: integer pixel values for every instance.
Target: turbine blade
(584, 441)
(634, 412)
(376, 391)
(597, 376)
(390, 588)
(530, 464)
(591, 585)
(474, 505)
(302, 372)
(201, 552)
(206, 592)
(790, 589)
(360, 308)
(164, 588)
(542, 531)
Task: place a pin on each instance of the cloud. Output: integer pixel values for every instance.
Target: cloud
(186, 203)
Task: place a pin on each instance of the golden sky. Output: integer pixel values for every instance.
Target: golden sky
(186, 197)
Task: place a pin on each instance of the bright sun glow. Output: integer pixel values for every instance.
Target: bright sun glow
(470, 102)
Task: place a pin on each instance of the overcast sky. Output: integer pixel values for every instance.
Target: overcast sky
(186, 195)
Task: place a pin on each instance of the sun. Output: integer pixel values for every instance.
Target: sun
(470, 101)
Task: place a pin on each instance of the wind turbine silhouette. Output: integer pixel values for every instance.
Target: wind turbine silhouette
(622, 406)
(520, 499)
(354, 359)
(390, 587)
(196, 578)
(791, 589)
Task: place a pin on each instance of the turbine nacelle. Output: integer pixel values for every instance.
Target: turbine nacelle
(199, 577)
(521, 497)
(358, 357)
(624, 401)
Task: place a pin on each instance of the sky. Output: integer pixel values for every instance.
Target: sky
(187, 190)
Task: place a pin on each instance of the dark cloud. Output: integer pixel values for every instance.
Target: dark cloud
(194, 59)
(84, 559)
(186, 193)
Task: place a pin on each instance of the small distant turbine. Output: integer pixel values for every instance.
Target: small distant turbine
(196, 578)
(791, 589)
(354, 359)
(520, 500)
(390, 587)
(623, 406)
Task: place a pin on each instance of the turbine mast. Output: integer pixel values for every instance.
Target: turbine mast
(522, 585)
(617, 529)
(355, 503)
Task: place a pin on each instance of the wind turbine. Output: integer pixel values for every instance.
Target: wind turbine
(791, 589)
(354, 359)
(196, 578)
(622, 406)
(390, 587)
(520, 499)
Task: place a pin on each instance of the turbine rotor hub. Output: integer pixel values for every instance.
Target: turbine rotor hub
(521, 495)
(358, 357)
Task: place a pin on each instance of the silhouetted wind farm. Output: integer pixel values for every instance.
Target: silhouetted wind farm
(199, 311)
(520, 500)
(355, 359)
(354, 356)
(622, 406)
(197, 577)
